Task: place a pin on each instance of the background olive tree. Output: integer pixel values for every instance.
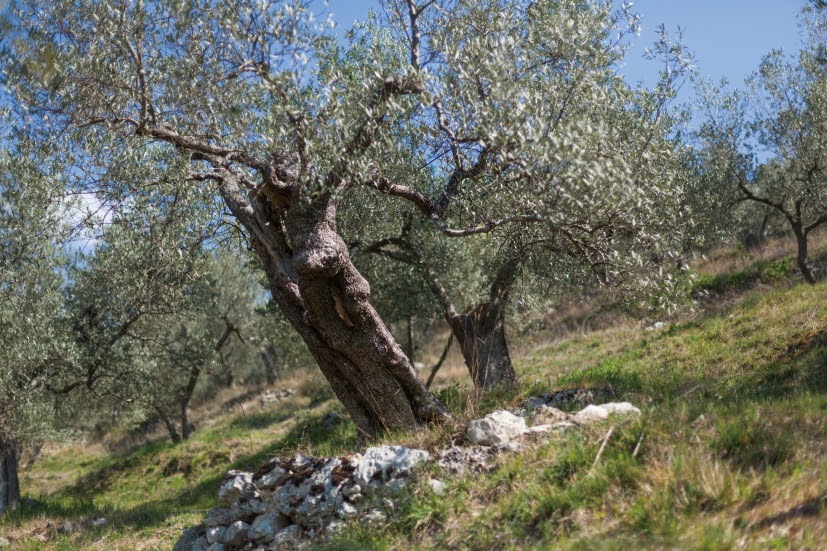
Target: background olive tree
(624, 135)
(31, 332)
(155, 305)
(768, 144)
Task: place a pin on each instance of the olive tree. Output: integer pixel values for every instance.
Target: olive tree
(780, 119)
(31, 333)
(167, 355)
(591, 243)
(154, 306)
(253, 98)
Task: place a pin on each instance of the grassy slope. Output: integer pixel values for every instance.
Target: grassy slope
(731, 454)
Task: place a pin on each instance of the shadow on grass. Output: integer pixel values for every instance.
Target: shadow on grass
(799, 368)
(327, 434)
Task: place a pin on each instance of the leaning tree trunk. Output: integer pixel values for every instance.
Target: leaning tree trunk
(327, 301)
(802, 258)
(481, 336)
(9, 482)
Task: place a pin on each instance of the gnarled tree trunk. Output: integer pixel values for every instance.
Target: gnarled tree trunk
(9, 482)
(481, 332)
(481, 336)
(324, 297)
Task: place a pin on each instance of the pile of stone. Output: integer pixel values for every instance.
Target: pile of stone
(288, 503)
(302, 498)
(275, 396)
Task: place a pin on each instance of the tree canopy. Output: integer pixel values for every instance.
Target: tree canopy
(483, 117)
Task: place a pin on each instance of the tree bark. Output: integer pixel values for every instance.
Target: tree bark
(186, 398)
(438, 364)
(481, 336)
(802, 258)
(9, 481)
(174, 435)
(481, 332)
(270, 360)
(324, 297)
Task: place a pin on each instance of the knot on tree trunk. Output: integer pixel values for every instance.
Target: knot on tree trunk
(324, 260)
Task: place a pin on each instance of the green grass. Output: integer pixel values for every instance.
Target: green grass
(765, 271)
(731, 450)
(732, 438)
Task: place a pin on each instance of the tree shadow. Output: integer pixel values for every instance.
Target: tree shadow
(810, 508)
(330, 434)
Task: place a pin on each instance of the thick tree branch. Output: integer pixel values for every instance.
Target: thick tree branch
(742, 186)
(819, 221)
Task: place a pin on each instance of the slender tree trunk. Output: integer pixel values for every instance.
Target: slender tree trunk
(186, 398)
(327, 301)
(438, 364)
(9, 481)
(802, 259)
(268, 357)
(174, 435)
(187, 427)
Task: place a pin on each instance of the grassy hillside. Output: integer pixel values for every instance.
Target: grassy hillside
(731, 452)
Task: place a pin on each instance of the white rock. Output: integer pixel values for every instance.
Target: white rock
(265, 527)
(347, 510)
(289, 535)
(590, 414)
(499, 427)
(215, 534)
(621, 408)
(239, 485)
(386, 463)
(221, 516)
(253, 507)
(99, 522)
(272, 479)
(437, 486)
(313, 498)
(352, 492)
(4, 542)
(539, 429)
(236, 533)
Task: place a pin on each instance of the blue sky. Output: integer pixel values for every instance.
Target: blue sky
(729, 37)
